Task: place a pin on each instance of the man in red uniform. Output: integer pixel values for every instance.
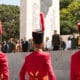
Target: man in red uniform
(75, 66)
(4, 71)
(75, 63)
(38, 63)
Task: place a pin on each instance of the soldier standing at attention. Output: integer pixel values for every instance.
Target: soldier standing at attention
(38, 63)
(75, 66)
(75, 63)
(4, 70)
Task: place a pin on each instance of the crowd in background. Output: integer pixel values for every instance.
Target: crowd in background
(57, 43)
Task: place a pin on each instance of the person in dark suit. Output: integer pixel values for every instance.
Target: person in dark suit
(5, 47)
(55, 41)
(38, 63)
(25, 45)
(11, 45)
(73, 42)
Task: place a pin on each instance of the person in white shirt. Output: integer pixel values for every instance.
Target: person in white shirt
(68, 44)
(47, 44)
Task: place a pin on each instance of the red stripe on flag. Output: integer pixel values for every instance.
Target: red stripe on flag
(42, 21)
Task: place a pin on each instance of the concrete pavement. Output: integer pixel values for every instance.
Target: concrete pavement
(60, 63)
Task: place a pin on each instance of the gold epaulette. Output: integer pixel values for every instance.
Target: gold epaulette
(34, 76)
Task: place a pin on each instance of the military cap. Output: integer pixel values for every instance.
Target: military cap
(38, 36)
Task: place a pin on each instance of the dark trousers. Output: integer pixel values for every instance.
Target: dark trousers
(56, 48)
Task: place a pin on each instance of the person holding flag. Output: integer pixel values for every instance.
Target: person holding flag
(38, 63)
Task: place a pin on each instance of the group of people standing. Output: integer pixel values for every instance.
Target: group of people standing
(59, 43)
(56, 43)
(38, 63)
(14, 46)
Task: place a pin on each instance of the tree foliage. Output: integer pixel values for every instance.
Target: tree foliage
(64, 3)
(9, 16)
(69, 17)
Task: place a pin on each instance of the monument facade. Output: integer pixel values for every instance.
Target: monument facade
(29, 17)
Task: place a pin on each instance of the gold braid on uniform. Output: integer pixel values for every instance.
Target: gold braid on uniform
(34, 76)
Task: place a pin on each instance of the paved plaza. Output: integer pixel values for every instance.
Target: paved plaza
(60, 62)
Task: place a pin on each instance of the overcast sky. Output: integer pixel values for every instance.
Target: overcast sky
(10, 2)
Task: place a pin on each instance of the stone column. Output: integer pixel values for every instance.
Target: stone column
(23, 19)
(29, 17)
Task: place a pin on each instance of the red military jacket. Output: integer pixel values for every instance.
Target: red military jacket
(4, 72)
(38, 66)
(75, 66)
